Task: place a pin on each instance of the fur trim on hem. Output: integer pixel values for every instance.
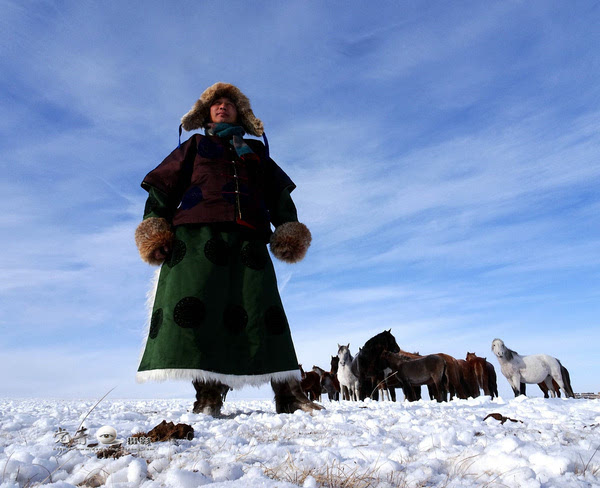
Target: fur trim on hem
(231, 380)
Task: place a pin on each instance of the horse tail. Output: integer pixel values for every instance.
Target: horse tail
(445, 383)
(566, 377)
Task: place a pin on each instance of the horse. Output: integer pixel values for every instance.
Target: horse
(347, 373)
(311, 384)
(370, 365)
(555, 390)
(427, 370)
(468, 379)
(454, 384)
(485, 374)
(329, 383)
(535, 368)
(335, 363)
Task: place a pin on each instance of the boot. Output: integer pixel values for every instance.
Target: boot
(209, 397)
(289, 397)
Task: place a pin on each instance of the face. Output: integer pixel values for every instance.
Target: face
(498, 348)
(223, 110)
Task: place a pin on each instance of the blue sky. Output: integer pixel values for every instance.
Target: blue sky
(446, 157)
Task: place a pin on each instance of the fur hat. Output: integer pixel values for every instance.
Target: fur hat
(199, 115)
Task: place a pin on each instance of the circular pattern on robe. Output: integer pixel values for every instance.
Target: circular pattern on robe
(189, 312)
(191, 198)
(217, 251)
(275, 320)
(156, 322)
(254, 256)
(235, 319)
(177, 253)
(151, 205)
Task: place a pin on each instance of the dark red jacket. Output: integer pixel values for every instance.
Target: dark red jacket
(207, 182)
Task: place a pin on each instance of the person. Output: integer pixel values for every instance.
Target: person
(217, 317)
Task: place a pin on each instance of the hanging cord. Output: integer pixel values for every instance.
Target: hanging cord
(266, 145)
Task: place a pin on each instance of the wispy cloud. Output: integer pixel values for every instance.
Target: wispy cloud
(446, 163)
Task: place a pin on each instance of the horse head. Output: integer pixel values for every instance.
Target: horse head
(498, 347)
(344, 355)
(384, 341)
(335, 361)
(501, 351)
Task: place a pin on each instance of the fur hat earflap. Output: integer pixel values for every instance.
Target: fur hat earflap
(199, 115)
(290, 241)
(152, 234)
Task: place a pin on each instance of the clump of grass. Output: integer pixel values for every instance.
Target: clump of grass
(587, 467)
(334, 475)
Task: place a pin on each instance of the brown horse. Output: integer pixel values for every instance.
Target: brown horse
(329, 383)
(311, 384)
(468, 379)
(453, 372)
(427, 370)
(484, 373)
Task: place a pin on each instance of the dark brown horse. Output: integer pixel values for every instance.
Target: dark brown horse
(427, 370)
(371, 366)
(468, 379)
(453, 372)
(484, 373)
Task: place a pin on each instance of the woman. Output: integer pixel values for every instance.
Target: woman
(217, 317)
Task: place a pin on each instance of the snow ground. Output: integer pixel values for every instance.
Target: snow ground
(351, 445)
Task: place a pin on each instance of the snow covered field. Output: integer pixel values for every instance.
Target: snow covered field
(554, 443)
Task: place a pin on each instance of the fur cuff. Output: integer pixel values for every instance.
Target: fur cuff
(290, 241)
(152, 234)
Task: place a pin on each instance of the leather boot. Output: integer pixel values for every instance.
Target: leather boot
(209, 397)
(289, 397)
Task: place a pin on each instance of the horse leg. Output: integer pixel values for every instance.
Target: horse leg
(559, 381)
(544, 389)
(516, 385)
(557, 389)
(551, 386)
(392, 393)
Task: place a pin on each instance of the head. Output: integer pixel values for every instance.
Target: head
(204, 111)
(223, 110)
(498, 348)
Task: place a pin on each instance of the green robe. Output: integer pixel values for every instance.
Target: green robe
(217, 313)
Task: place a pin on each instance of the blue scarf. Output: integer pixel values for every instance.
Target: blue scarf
(234, 134)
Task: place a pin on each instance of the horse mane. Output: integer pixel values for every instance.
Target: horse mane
(403, 357)
(510, 354)
(410, 355)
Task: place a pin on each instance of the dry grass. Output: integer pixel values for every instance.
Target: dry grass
(587, 467)
(334, 475)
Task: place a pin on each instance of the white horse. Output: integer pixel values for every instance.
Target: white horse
(536, 368)
(347, 373)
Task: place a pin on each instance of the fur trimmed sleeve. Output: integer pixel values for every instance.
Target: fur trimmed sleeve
(290, 241)
(152, 234)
